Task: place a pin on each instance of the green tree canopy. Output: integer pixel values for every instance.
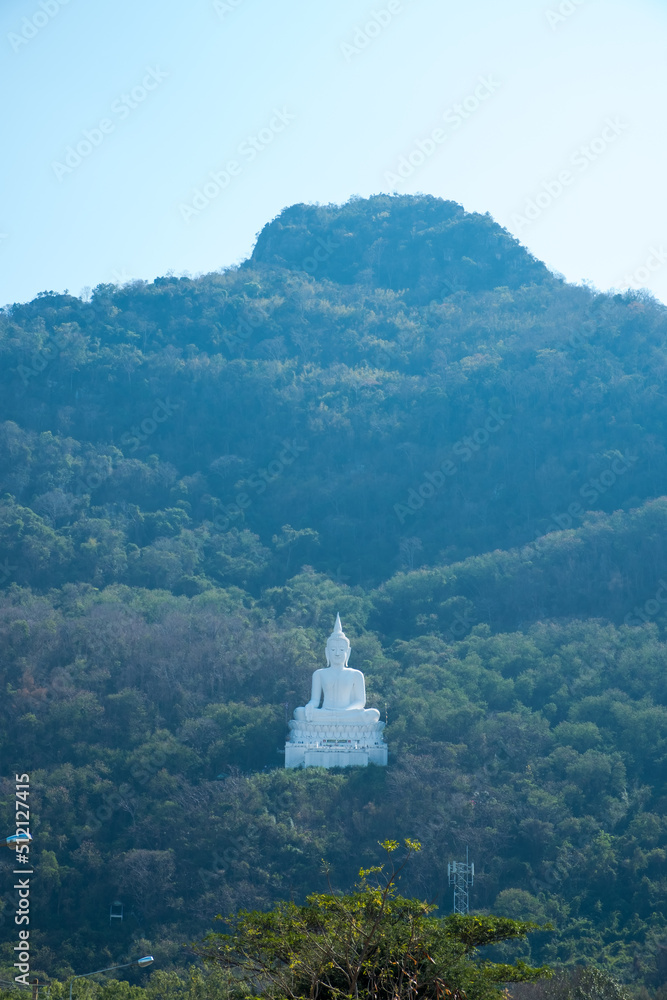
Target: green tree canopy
(372, 943)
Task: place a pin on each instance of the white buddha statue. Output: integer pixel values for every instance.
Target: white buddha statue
(338, 693)
(335, 729)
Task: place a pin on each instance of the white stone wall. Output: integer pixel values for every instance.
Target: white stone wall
(311, 744)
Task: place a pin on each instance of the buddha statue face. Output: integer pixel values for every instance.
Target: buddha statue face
(337, 651)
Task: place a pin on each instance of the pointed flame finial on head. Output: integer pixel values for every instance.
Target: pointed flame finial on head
(338, 631)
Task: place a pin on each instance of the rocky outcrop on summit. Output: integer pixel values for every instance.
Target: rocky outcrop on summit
(422, 246)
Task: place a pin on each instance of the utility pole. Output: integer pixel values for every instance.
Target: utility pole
(461, 876)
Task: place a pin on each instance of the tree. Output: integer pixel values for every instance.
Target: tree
(371, 943)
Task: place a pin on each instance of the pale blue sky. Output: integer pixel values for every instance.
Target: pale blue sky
(118, 214)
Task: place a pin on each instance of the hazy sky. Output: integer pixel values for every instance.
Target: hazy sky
(117, 113)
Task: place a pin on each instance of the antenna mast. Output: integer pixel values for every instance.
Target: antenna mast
(461, 876)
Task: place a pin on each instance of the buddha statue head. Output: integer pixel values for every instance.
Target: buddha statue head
(338, 646)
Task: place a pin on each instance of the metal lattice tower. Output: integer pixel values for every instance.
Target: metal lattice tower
(461, 876)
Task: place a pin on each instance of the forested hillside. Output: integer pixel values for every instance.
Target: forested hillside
(391, 411)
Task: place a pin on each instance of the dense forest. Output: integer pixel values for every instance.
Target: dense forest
(391, 411)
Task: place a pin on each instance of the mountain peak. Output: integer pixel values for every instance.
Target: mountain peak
(428, 245)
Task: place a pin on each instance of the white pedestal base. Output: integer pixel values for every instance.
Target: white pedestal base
(336, 745)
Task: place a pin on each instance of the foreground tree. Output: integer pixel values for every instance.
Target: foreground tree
(371, 943)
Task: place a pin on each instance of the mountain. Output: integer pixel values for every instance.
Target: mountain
(391, 411)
